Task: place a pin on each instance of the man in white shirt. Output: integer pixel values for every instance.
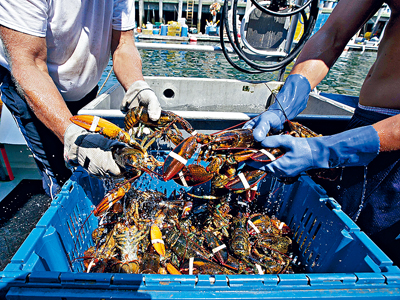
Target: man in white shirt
(52, 56)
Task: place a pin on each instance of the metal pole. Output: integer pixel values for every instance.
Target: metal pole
(383, 31)
(375, 27)
(180, 5)
(141, 12)
(199, 11)
(160, 11)
(289, 39)
(134, 12)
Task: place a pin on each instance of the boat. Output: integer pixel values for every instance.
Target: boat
(226, 102)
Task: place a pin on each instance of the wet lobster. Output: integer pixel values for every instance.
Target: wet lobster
(131, 241)
(152, 234)
(222, 153)
(134, 158)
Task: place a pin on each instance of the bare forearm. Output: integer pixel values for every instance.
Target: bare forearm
(325, 46)
(316, 58)
(389, 133)
(126, 59)
(43, 98)
(28, 56)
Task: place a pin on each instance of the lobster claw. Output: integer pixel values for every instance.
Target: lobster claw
(193, 175)
(102, 126)
(172, 270)
(267, 155)
(156, 240)
(111, 198)
(245, 180)
(178, 158)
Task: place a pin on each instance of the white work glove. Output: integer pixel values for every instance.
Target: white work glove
(140, 94)
(91, 151)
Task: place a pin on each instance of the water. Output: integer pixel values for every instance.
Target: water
(345, 77)
(364, 189)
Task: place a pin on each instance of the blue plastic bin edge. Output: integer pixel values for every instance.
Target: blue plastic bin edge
(384, 280)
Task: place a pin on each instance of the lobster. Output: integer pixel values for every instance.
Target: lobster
(223, 152)
(134, 158)
(166, 124)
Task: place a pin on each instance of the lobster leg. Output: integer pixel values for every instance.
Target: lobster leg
(111, 198)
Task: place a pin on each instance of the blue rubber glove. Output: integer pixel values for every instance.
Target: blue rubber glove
(292, 97)
(355, 147)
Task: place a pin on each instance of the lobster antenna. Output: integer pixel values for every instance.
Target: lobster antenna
(276, 99)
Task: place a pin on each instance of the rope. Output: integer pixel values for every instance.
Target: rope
(104, 83)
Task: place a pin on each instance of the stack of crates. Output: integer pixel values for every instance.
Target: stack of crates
(174, 28)
(147, 31)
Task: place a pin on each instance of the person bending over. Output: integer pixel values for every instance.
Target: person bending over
(369, 195)
(52, 56)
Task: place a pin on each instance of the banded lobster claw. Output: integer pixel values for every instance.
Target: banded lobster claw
(192, 175)
(156, 240)
(178, 158)
(111, 198)
(267, 155)
(245, 180)
(102, 126)
(158, 244)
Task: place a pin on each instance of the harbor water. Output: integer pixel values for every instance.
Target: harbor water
(345, 77)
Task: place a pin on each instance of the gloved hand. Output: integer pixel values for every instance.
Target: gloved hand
(355, 147)
(140, 94)
(293, 99)
(90, 150)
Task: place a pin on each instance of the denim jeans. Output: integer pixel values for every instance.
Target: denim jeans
(371, 195)
(46, 148)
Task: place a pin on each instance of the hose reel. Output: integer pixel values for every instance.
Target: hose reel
(270, 25)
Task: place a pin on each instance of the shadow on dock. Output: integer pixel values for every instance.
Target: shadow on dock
(20, 212)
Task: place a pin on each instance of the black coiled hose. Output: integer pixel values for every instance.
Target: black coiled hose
(309, 23)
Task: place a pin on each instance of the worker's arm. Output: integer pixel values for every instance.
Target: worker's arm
(128, 69)
(28, 55)
(389, 133)
(314, 62)
(328, 43)
(127, 63)
(322, 50)
(354, 147)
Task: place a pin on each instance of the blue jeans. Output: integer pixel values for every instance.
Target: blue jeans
(371, 195)
(46, 148)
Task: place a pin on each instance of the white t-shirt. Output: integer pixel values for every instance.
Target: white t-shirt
(78, 36)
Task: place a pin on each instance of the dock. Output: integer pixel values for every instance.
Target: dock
(361, 47)
(197, 37)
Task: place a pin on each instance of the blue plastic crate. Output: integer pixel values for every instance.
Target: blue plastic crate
(340, 260)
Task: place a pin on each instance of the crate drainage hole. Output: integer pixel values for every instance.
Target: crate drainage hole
(169, 93)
